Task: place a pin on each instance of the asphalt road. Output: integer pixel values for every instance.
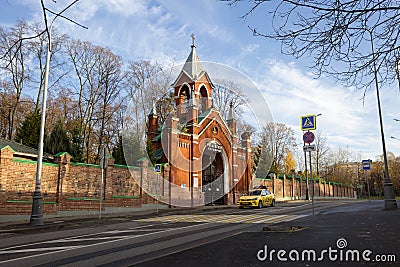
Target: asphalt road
(214, 237)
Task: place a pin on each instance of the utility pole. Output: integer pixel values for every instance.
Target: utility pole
(390, 201)
(37, 214)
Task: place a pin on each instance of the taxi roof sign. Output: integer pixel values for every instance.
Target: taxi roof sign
(308, 122)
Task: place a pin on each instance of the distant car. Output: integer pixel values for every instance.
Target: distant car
(257, 198)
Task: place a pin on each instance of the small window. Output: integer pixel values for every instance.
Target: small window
(268, 192)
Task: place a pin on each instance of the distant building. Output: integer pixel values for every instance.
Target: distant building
(22, 151)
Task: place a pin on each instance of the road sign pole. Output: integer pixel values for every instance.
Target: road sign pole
(312, 183)
(157, 193)
(101, 192)
(307, 123)
(369, 194)
(103, 165)
(305, 164)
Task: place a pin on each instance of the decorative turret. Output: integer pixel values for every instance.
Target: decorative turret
(231, 119)
(152, 129)
(192, 85)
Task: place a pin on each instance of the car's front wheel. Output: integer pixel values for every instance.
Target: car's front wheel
(260, 205)
(273, 203)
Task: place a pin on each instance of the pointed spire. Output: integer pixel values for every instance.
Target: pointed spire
(231, 119)
(231, 114)
(153, 109)
(193, 66)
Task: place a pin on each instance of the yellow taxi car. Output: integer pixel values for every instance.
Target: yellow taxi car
(257, 198)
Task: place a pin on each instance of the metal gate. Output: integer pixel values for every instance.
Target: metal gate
(212, 175)
(213, 188)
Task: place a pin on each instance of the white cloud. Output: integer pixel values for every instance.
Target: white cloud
(292, 94)
(250, 48)
(126, 7)
(88, 9)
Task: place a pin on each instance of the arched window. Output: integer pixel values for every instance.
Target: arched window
(204, 102)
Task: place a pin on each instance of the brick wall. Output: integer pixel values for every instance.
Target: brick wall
(287, 188)
(66, 185)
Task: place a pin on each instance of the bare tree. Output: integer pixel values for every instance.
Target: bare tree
(339, 166)
(37, 48)
(147, 83)
(111, 76)
(276, 140)
(337, 34)
(97, 86)
(137, 78)
(226, 93)
(14, 67)
(14, 54)
(322, 152)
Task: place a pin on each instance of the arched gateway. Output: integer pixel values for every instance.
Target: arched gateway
(206, 161)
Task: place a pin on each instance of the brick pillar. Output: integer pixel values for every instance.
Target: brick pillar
(108, 173)
(299, 185)
(273, 178)
(142, 163)
(6, 156)
(63, 159)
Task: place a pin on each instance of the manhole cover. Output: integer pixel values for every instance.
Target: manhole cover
(277, 228)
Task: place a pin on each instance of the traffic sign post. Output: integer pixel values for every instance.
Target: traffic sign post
(309, 148)
(366, 165)
(308, 122)
(157, 169)
(308, 137)
(312, 181)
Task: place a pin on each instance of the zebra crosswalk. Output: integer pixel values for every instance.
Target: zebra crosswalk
(224, 218)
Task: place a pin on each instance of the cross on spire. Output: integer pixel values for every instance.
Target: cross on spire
(193, 40)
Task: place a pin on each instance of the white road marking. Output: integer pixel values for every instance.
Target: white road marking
(227, 218)
(2, 251)
(206, 219)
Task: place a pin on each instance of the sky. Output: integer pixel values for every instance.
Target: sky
(161, 30)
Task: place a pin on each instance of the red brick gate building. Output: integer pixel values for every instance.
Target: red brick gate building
(207, 161)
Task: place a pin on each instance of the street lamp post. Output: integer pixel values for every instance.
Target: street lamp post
(37, 215)
(398, 70)
(390, 201)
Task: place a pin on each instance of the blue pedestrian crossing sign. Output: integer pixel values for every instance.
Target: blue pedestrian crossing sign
(308, 122)
(158, 168)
